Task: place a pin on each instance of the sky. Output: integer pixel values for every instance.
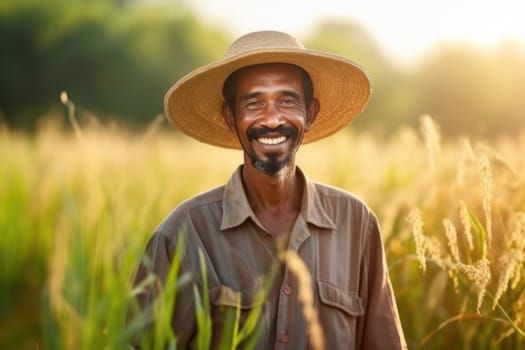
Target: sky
(404, 29)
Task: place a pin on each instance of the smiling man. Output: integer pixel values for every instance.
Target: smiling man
(268, 96)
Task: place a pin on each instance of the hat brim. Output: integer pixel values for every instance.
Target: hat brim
(194, 103)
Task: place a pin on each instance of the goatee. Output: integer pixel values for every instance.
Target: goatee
(272, 166)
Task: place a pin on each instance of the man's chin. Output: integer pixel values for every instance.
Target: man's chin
(271, 167)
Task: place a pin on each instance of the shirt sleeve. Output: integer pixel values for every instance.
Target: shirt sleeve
(380, 328)
(158, 259)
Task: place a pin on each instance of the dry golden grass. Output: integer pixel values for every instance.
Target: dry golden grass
(78, 211)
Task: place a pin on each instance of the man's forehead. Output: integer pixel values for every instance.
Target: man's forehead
(284, 78)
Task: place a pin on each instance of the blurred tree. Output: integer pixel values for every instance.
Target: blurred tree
(165, 45)
(117, 58)
(453, 87)
(114, 60)
(392, 102)
(20, 61)
(472, 93)
(507, 89)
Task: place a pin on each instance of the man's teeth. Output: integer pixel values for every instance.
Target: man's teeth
(272, 140)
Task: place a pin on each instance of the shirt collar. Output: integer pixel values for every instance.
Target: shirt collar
(236, 208)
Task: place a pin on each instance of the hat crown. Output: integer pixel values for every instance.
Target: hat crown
(263, 40)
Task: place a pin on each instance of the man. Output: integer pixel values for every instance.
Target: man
(268, 96)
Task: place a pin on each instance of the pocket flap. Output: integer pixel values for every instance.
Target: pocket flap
(334, 296)
(225, 296)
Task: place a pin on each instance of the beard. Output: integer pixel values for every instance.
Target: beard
(272, 166)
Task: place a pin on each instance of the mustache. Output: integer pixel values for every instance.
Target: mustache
(262, 130)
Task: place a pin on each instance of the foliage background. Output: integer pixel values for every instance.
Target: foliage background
(116, 59)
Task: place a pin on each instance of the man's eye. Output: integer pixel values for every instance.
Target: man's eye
(288, 102)
(253, 105)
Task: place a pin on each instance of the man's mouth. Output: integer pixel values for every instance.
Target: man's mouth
(272, 140)
(271, 137)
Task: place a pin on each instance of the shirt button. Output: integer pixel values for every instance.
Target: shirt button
(287, 290)
(283, 338)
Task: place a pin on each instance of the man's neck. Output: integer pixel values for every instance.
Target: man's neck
(275, 200)
(270, 192)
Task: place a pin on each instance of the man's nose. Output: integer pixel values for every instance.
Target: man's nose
(272, 117)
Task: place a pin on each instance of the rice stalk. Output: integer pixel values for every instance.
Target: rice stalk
(487, 186)
(467, 226)
(416, 224)
(66, 101)
(432, 140)
(512, 260)
(305, 296)
(452, 238)
(479, 274)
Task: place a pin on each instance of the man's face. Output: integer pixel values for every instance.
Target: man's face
(271, 115)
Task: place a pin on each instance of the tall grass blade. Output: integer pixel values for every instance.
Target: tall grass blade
(480, 230)
(202, 309)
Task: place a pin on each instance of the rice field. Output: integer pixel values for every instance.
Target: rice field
(76, 210)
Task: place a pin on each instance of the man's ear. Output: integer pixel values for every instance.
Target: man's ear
(312, 112)
(228, 117)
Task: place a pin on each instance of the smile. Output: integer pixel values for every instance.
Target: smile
(272, 140)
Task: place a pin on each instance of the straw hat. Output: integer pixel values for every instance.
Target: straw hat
(193, 104)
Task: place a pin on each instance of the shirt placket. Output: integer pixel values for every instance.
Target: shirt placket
(286, 314)
(289, 307)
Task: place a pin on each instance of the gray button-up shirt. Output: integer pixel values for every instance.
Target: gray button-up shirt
(335, 234)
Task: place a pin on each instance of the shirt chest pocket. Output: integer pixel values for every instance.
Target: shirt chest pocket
(228, 306)
(339, 313)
